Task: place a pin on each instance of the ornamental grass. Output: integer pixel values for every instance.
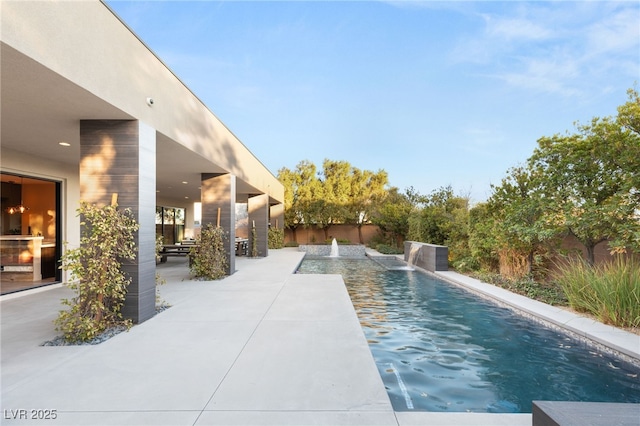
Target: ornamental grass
(610, 291)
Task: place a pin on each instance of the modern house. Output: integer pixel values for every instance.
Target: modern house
(89, 111)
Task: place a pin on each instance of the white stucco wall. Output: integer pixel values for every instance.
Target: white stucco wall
(87, 44)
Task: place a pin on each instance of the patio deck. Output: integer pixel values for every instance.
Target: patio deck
(263, 346)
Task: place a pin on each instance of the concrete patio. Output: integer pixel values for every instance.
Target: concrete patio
(263, 346)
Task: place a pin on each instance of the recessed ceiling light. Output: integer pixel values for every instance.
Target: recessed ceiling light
(64, 144)
(185, 182)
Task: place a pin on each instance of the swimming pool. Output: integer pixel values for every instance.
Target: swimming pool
(441, 348)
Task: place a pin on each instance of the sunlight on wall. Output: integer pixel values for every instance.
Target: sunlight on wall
(94, 170)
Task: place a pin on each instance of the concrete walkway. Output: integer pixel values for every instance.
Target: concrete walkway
(263, 346)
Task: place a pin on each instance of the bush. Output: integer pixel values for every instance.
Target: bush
(379, 238)
(275, 238)
(610, 292)
(387, 249)
(549, 293)
(467, 264)
(98, 279)
(159, 280)
(254, 241)
(291, 244)
(208, 259)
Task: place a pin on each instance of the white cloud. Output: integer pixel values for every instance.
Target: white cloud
(515, 29)
(499, 35)
(558, 72)
(560, 48)
(617, 33)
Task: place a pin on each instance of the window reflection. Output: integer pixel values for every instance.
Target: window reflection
(170, 223)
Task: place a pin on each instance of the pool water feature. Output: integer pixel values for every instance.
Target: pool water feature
(441, 348)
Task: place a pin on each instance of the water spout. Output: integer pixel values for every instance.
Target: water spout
(334, 249)
(414, 250)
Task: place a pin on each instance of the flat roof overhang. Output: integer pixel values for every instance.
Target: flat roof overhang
(51, 79)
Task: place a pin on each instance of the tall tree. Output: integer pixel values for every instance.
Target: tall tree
(591, 179)
(628, 232)
(392, 215)
(517, 207)
(300, 189)
(483, 238)
(339, 193)
(367, 190)
(332, 200)
(443, 213)
(629, 113)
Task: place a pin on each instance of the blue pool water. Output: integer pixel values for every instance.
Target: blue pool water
(441, 348)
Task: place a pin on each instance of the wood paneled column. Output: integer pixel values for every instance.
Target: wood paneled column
(258, 206)
(119, 157)
(219, 192)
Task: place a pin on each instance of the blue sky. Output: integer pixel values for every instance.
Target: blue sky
(435, 93)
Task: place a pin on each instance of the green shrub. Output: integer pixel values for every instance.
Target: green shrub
(466, 264)
(549, 293)
(208, 259)
(291, 244)
(97, 277)
(382, 238)
(159, 244)
(159, 280)
(275, 238)
(610, 291)
(387, 249)
(254, 241)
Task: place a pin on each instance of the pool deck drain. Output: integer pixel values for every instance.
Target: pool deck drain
(263, 346)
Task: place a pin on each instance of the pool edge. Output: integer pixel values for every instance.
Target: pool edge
(623, 344)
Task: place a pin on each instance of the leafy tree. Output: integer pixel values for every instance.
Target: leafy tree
(435, 222)
(629, 113)
(392, 214)
(331, 202)
(367, 190)
(458, 233)
(483, 238)
(590, 182)
(339, 193)
(517, 207)
(628, 232)
(443, 220)
(301, 187)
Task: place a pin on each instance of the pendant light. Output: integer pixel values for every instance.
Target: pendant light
(20, 208)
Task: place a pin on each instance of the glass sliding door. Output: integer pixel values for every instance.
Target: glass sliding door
(30, 224)
(170, 223)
